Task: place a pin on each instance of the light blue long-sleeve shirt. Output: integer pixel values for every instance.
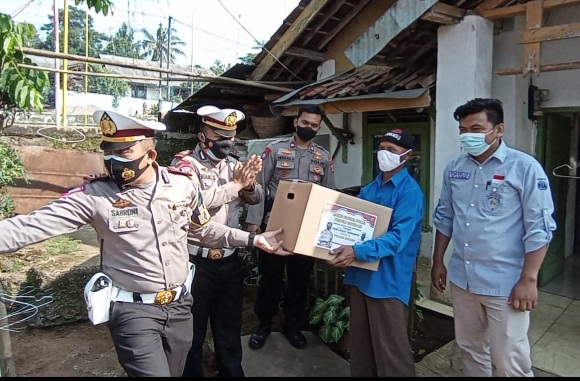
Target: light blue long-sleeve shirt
(398, 248)
(495, 212)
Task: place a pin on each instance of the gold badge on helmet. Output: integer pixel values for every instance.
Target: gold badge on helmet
(108, 127)
(231, 120)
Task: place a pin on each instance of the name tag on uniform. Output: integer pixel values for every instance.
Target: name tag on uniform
(124, 220)
(459, 175)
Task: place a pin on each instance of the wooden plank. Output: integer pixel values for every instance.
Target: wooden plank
(365, 105)
(543, 68)
(442, 13)
(360, 4)
(305, 54)
(551, 33)
(297, 27)
(534, 15)
(520, 9)
(490, 4)
(327, 16)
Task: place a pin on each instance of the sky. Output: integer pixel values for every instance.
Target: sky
(220, 29)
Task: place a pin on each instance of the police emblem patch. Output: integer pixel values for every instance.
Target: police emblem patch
(108, 127)
(493, 201)
(542, 184)
(121, 203)
(283, 173)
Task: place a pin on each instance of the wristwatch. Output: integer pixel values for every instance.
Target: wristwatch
(251, 240)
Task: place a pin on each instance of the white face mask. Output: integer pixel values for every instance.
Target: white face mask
(389, 161)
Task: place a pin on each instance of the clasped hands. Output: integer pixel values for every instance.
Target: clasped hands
(244, 174)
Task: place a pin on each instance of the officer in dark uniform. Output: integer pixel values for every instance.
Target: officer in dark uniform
(142, 213)
(296, 157)
(226, 184)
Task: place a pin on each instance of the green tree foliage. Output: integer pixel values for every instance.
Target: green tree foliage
(116, 87)
(123, 43)
(19, 87)
(154, 46)
(248, 59)
(76, 33)
(219, 68)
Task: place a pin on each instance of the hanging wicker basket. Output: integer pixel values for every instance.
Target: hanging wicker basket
(268, 126)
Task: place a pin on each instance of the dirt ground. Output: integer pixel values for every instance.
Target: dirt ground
(84, 350)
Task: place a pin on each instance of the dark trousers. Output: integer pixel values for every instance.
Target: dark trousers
(218, 296)
(298, 268)
(379, 344)
(152, 340)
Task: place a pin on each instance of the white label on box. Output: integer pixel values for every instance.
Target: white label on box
(341, 225)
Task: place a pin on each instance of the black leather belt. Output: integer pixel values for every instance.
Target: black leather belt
(209, 253)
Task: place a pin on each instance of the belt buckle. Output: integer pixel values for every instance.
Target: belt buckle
(165, 296)
(215, 254)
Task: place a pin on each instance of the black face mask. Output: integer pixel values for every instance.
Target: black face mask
(123, 171)
(305, 133)
(220, 148)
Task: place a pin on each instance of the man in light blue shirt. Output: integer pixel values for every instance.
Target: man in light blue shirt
(379, 300)
(496, 209)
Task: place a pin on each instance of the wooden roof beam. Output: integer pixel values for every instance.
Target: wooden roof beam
(360, 4)
(297, 27)
(442, 13)
(520, 9)
(306, 54)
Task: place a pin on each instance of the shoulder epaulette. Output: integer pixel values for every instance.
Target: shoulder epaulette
(183, 153)
(95, 177)
(281, 140)
(183, 170)
(318, 146)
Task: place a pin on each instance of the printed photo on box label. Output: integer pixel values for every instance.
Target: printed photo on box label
(341, 225)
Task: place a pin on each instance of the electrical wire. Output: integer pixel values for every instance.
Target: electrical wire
(22, 8)
(258, 42)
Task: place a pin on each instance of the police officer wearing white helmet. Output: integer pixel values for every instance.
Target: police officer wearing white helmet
(142, 213)
(226, 185)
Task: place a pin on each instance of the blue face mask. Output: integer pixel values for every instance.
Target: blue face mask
(474, 142)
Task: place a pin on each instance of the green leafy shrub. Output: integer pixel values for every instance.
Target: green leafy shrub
(11, 167)
(333, 317)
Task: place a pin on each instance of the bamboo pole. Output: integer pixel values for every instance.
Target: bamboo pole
(65, 64)
(8, 368)
(110, 75)
(73, 57)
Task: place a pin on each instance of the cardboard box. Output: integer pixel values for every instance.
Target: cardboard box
(305, 210)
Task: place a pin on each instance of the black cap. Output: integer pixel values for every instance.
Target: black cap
(400, 138)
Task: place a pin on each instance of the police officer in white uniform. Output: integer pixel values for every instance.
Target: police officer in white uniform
(142, 213)
(226, 184)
